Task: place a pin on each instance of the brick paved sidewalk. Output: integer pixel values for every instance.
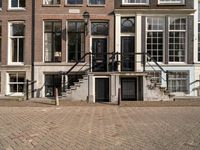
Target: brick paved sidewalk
(51, 103)
(99, 128)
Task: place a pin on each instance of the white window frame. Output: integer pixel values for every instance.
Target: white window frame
(185, 31)
(15, 8)
(10, 62)
(134, 2)
(171, 2)
(162, 31)
(9, 83)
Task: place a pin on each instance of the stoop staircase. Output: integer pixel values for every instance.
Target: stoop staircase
(155, 91)
(78, 91)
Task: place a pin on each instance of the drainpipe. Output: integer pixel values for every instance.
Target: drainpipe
(33, 48)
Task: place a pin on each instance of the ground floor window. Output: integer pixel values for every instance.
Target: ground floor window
(16, 82)
(179, 81)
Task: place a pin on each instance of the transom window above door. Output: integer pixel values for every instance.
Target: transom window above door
(127, 25)
(171, 1)
(17, 4)
(96, 2)
(135, 2)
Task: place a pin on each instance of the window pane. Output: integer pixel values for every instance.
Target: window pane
(21, 50)
(14, 3)
(14, 49)
(51, 2)
(0, 3)
(135, 1)
(74, 1)
(96, 2)
(22, 3)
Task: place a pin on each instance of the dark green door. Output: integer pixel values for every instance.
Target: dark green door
(51, 83)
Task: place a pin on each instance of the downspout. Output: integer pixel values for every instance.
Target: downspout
(33, 48)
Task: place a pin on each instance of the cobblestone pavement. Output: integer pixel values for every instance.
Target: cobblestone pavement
(100, 128)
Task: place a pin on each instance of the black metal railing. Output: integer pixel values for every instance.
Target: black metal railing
(113, 61)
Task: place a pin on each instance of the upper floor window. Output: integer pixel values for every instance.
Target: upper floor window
(52, 41)
(155, 37)
(135, 2)
(177, 39)
(127, 25)
(99, 28)
(172, 1)
(17, 41)
(17, 4)
(74, 2)
(51, 2)
(96, 2)
(76, 41)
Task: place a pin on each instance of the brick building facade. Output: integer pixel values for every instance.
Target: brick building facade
(136, 50)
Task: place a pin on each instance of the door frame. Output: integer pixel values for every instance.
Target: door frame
(109, 84)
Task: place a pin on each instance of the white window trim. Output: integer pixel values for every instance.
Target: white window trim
(14, 8)
(129, 3)
(173, 62)
(9, 61)
(177, 2)
(8, 92)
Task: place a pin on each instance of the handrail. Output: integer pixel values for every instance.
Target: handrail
(194, 82)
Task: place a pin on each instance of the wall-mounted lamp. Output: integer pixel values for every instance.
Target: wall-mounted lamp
(86, 17)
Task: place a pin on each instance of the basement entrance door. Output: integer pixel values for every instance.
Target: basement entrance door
(52, 81)
(129, 89)
(102, 90)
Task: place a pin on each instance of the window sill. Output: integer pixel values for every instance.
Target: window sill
(56, 5)
(16, 64)
(73, 5)
(96, 5)
(16, 9)
(12, 94)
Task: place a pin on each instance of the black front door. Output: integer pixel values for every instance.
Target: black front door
(51, 83)
(129, 89)
(102, 90)
(127, 50)
(99, 48)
